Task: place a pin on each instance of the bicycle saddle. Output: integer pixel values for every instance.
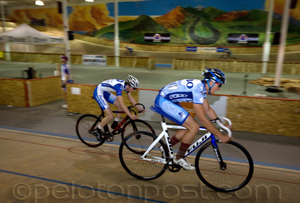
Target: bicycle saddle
(152, 108)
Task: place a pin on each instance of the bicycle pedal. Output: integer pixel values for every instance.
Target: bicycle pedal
(109, 138)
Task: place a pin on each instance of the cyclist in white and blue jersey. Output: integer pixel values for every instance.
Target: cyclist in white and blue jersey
(129, 49)
(193, 91)
(102, 95)
(65, 74)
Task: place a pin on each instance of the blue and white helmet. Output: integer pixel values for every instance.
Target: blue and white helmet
(215, 75)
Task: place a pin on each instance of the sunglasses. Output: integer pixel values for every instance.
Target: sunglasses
(134, 88)
(219, 84)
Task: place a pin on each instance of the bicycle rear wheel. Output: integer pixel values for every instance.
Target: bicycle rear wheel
(85, 127)
(236, 172)
(131, 159)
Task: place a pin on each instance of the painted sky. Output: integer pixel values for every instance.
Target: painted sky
(160, 7)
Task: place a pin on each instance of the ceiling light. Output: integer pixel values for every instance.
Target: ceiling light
(89, 0)
(39, 3)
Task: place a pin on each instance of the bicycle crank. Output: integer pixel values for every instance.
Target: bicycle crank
(109, 137)
(172, 166)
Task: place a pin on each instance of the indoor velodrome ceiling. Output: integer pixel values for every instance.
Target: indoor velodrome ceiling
(19, 4)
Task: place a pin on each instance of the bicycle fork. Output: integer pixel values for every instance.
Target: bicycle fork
(218, 153)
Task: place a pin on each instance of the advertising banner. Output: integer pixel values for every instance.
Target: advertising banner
(207, 49)
(157, 37)
(94, 60)
(242, 38)
(191, 48)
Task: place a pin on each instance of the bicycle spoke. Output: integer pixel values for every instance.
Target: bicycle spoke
(84, 130)
(132, 162)
(238, 170)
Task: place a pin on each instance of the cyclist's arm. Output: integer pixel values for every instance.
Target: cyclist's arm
(208, 110)
(120, 100)
(132, 100)
(211, 113)
(200, 112)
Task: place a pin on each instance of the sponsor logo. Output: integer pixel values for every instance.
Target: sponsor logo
(191, 48)
(181, 114)
(175, 96)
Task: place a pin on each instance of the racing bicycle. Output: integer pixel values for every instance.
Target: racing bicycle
(87, 124)
(224, 167)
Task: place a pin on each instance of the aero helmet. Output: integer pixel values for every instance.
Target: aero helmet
(215, 75)
(132, 81)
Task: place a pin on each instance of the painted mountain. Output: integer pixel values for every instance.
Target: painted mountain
(198, 26)
(186, 26)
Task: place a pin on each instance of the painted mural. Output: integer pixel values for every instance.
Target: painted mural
(189, 23)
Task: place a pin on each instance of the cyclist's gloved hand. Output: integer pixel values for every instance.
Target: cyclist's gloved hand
(225, 138)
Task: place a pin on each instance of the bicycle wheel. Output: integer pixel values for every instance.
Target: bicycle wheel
(131, 160)
(85, 126)
(237, 170)
(136, 125)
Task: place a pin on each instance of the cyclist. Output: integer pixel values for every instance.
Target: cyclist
(194, 91)
(102, 95)
(228, 53)
(65, 73)
(130, 50)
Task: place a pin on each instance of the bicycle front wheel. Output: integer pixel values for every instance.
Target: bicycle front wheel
(234, 172)
(85, 127)
(136, 125)
(131, 159)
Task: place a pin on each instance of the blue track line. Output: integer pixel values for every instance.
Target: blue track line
(80, 186)
(118, 143)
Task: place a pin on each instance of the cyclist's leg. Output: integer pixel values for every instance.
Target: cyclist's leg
(111, 98)
(101, 96)
(192, 128)
(117, 104)
(178, 114)
(108, 116)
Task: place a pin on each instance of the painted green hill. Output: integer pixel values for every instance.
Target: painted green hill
(208, 13)
(133, 30)
(198, 28)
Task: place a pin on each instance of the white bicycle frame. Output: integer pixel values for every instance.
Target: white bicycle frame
(192, 148)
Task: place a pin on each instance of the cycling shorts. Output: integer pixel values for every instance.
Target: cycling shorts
(170, 110)
(102, 97)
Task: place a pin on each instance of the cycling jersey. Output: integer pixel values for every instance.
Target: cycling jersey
(129, 49)
(102, 92)
(64, 70)
(187, 90)
(169, 97)
(113, 85)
